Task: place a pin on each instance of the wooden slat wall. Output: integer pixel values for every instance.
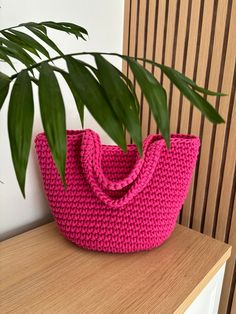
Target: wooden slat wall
(198, 38)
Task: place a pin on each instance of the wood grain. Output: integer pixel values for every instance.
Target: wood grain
(198, 38)
(41, 272)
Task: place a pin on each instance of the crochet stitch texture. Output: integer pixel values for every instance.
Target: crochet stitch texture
(114, 201)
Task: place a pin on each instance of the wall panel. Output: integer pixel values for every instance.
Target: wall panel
(196, 37)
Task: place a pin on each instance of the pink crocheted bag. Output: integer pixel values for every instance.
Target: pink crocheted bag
(116, 201)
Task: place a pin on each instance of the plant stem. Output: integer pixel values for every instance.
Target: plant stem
(85, 53)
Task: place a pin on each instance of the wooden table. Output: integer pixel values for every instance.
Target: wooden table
(41, 272)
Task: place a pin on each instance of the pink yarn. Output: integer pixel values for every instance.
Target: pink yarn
(115, 201)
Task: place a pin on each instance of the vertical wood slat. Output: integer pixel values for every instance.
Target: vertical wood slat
(228, 174)
(197, 38)
(227, 294)
(196, 124)
(190, 56)
(205, 126)
(140, 45)
(215, 151)
(148, 53)
(132, 6)
(126, 42)
(221, 131)
(158, 48)
(233, 308)
(194, 115)
(168, 52)
(178, 63)
(126, 33)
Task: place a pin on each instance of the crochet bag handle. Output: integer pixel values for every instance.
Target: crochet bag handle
(138, 178)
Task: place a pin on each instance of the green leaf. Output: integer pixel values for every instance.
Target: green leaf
(17, 52)
(4, 57)
(45, 38)
(197, 100)
(181, 76)
(78, 100)
(155, 95)
(36, 25)
(120, 97)
(31, 42)
(12, 53)
(89, 66)
(20, 123)
(73, 26)
(4, 87)
(124, 77)
(65, 28)
(55, 25)
(131, 87)
(194, 85)
(53, 116)
(207, 109)
(20, 42)
(92, 95)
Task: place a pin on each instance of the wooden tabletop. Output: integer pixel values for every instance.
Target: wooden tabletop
(41, 272)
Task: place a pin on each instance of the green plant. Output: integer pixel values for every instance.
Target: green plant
(107, 93)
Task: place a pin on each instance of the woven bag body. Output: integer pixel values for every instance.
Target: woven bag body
(116, 201)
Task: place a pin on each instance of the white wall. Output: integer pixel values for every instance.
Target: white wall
(104, 21)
